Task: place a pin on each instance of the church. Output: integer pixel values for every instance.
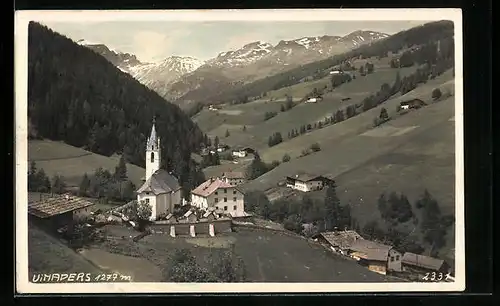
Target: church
(161, 190)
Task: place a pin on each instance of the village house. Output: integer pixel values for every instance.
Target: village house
(314, 99)
(161, 189)
(219, 194)
(233, 178)
(306, 182)
(377, 257)
(59, 211)
(414, 103)
(239, 152)
(421, 264)
(189, 217)
(338, 241)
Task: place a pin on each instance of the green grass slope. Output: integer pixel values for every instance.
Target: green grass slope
(331, 135)
(306, 113)
(71, 162)
(338, 157)
(48, 255)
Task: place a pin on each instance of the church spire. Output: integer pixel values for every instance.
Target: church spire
(152, 140)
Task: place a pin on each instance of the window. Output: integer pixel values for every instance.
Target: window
(216, 193)
(234, 199)
(147, 201)
(397, 257)
(225, 199)
(234, 207)
(225, 207)
(225, 190)
(234, 191)
(392, 258)
(216, 200)
(152, 156)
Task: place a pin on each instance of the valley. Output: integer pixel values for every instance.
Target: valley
(335, 107)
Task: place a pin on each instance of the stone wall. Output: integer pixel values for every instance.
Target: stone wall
(200, 227)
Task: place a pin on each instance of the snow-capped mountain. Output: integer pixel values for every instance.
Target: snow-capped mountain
(154, 74)
(124, 61)
(189, 79)
(165, 71)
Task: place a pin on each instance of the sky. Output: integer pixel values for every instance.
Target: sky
(155, 40)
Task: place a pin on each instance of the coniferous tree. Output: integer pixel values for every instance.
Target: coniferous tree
(332, 207)
(58, 185)
(121, 170)
(84, 185)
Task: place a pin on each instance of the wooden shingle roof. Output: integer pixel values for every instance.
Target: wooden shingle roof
(57, 205)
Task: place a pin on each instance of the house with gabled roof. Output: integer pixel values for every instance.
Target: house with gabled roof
(60, 210)
(219, 194)
(307, 182)
(377, 257)
(338, 241)
(161, 189)
(233, 177)
(420, 264)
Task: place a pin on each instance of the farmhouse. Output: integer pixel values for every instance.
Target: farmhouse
(59, 211)
(377, 257)
(161, 189)
(219, 194)
(414, 103)
(420, 264)
(306, 182)
(338, 241)
(233, 178)
(314, 99)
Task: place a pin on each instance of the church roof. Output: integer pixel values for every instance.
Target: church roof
(160, 182)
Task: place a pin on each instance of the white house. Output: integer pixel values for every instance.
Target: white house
(161, 189)
(218, 194)
(312, 100)
(335, 72)
(306, 182)
(239, 153)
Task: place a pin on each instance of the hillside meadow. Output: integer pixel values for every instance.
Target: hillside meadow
(304, 113)
(330, 135)
(58, 158)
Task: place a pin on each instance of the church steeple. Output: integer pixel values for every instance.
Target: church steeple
(153, 152)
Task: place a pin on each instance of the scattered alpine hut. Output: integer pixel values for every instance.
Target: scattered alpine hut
(413, 103)
(421, 264)
(59, 211)
(338, 241)
(377, 257)
(161, 189)
(233, 177)
(307, 182)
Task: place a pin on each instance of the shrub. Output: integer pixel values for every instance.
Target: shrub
(286, 158)
(436, 94)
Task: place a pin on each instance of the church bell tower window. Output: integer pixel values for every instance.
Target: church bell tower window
(152, 156)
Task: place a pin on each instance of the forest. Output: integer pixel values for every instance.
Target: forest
(433, 31)
(78, 97)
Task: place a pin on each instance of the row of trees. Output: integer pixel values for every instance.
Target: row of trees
(396, 210)
(38, 181)
(323, 215)
(274, 139)
(258, 167)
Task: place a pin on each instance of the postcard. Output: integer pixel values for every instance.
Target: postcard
(221, 151)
